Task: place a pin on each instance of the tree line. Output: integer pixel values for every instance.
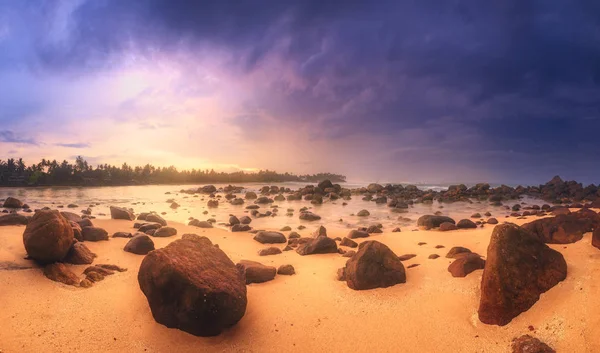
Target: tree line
(14, 172)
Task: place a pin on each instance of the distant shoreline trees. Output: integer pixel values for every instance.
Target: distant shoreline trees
(14, 172)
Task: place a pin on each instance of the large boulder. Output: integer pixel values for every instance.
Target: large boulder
(374, 266)
(12, 202)
(374, 188)
(13, 219)
(121, 213)
(164, 232)
(519, 267)
(318, 245)
(565, 228)
(270, 238)
(432, 221)
(528, 344)
(154, 218)
(70, 216)
(466, 224)
(48, 236)
(309, 216)
(141, 244)
(255, 272)
(354, 234)
(192, 285)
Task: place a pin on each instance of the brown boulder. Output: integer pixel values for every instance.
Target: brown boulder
(48, 236)
(79, 255)
(566, 228)
(519, 267)
(348, 242)
(373, 266)
(354, 234)
(286, 270)
(318, 245)
(94, 234)
(164, 232)
(12, 202)
(528, 344)
(255, 272)
(432, 221)
(141, 244)
(464, 265)
(59, 272)
(596, 238)
(121, 213)
(270, 238)
(447, 226)
(269, 251)
(13, 219)
(193, 286)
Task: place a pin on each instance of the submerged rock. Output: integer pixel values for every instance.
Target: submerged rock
(432, 221)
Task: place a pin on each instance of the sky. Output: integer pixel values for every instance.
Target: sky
(389, 90)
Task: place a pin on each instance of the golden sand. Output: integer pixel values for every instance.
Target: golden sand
(307, 312)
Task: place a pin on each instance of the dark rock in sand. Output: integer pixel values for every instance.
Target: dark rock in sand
(373, 266)
(201, 292)
(457, 252)
(12, 202)
(154, 218)
(245, 220)
(286, 270)
(363, 213)
(349, 253)
(148, 226)
(94, 234)
(122, 235)
(309, 216)
(142, 216)
(431, 221)
(121, 213)
(466, 264)
(564, 229)
(164, 232)
(528, 344)
(354, 234)
(318, 245)
(48, 237)
(492, 221)
(13, 219)
(270, 238)
(79, 254)
(59, 272)
(85, 222)
(596, 238)
(269, 251)
(519, 267)
(233, 220)
(466, 224)
(241, 228)
(447, 226)
(374, 229)
(406, 257)
(433, 256)
(141, 244)
(348, 242)
(200, 224)
(255, 272)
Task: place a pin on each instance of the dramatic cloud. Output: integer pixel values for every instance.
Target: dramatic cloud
(459, 90)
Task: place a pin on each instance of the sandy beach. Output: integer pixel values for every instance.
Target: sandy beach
(307, 312)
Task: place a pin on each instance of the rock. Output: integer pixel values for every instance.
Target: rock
(564, 229)
(596, 238)
(193, 286)
(212, 203)
(466, 224)
(285, 229)
(325, 184)
(476, 215)
(406, 257)
(141, 244)
(348, 242)
(12, 202)
(373, 266)
(433, 256)
(13, 219)
(94, 234)
(59, 272)
(318, 245)
(341, 274)
(241, 228)
(519, 267)
(154, 218)
(76, 231)
(255, 272)
(272, 250)
(320, 232)
(354, 234)
(79, 254)
(48, 237)
(293, 235)
(374, 188)
(309, 216)
(85, 222)
(85, 283)
(207, 189)
(270, 238)
(431, 221)
(164, 232)
(464, 265)
(122, 235)
(250, 195)
(528, 344)
(457, 252)
(200, 224)
(396, 230)
(447, 226)
(121, 213)
(349, 253)
(148, 226)
(363, 213)
(142, 216)
(245, 220)
(492, 221)
(374, 229)
(233, 220)
(286, 270)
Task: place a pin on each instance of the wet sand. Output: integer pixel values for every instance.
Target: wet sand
(307, 312)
